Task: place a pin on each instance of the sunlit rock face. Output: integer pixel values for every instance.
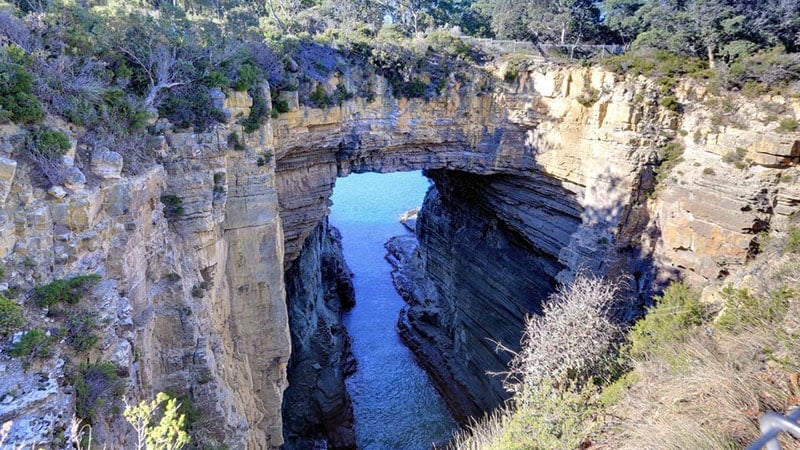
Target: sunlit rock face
(535, 180)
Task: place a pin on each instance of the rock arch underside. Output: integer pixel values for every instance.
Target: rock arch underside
(531, 184)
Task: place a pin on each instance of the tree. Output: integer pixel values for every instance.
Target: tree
(621, 18)
(168, 433)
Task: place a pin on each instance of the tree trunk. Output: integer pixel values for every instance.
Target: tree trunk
(710, 52)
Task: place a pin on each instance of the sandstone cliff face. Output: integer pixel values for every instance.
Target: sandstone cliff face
(535, 180)
(194, 303)
(738, 177)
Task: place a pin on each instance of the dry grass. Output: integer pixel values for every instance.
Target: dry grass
(708, 391)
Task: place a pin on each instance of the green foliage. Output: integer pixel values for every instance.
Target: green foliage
(708, 171)
(340, 94)
(246, 77)
(676, 312)
(264, 158)
(190, 107)
(280, 106)
(158, 423)
(670, 102)
(743, 309)
(197, 291)
(217, 78)
(660, 64)
(81, 332)
(96, 386)
(33, 344)
(589, 97)
(319, 97)
(67, 291)
(671, 154)
(17, 101)
(787, 125)
(48, 142)
(173, 205)
(10, 316)
(793, 240)
(410, 89)
(235, 143)
(258, 112)
(614, 391)
(735, 157)
(551, 417)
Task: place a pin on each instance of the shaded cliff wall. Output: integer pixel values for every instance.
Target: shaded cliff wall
(471, 283)
(533, 184)
(316, 406)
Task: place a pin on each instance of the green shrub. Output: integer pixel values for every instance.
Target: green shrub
(793, 240)
(34, 344)
(173, 205)
(613, 392)
(319, 97)
(588, 97)
(10, 316)
(169, 431)
(17, 101)
(281, 106)
(671, 154)
(670, 102)
(340, 95)
(47, 142)
(743, 309)
(412, 89)
(511, 73)
(235, 143)
(246, 77)
(551, 417)
(62, 291)
(96, 385)
(708, 171)
(735, 157)
(197, 291)
(676, 312)
(787, 125)
(80, 332)
(217, 78)
(258, 112)
(264, 158)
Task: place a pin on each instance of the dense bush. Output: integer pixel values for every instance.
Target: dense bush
(743, 309)
(571, 342)
(259, 112)
(10, 316)
(47, 142)
(17, 100)
(80, 332)
(173, 206)
(33, 344)
(67, 291)
(676, 311)
(96, 385)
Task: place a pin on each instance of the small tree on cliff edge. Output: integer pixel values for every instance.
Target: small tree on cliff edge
(166, 434)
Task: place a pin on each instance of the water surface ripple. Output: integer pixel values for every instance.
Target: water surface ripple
(395, 405)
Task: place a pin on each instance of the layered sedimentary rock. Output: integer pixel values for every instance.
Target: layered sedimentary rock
(551, 171)
(191, 299)
(317, 406)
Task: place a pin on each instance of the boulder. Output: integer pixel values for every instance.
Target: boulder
(107, 164)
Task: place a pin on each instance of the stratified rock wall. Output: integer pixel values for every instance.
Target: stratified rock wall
(316, 406)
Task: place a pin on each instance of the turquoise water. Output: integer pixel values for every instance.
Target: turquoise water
(394, 402)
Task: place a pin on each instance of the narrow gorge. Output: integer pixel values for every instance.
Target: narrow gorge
(236, 302)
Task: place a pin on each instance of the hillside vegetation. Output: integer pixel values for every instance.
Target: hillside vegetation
(697, 371)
